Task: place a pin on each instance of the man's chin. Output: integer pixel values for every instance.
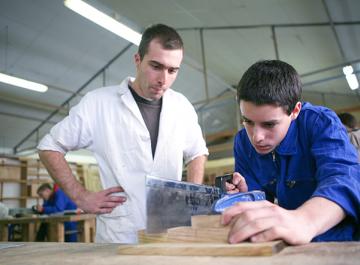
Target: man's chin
(264, 150)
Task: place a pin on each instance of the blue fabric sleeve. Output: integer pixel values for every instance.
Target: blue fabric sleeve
(338, 172)
(57, 204)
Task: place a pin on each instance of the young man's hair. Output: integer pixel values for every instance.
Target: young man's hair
(348, 120)
(167, 37)
(43, 187)
(271, 82)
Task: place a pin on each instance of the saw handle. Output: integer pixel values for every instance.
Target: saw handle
(220, 182)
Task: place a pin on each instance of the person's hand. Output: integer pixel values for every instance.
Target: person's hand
(238, 184)
(100, 202)
(39, 208)
(262, 221)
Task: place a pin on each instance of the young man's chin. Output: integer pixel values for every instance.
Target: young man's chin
(263, 150)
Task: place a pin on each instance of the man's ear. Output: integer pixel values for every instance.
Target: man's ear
(296, 111)
(137, 59)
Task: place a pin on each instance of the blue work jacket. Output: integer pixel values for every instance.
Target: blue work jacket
(60, 202)
(315, 159)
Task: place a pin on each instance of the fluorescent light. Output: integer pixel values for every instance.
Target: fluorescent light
(350, 77)
(348, 70)
(352, 81)
(104, 20)
(15, 81)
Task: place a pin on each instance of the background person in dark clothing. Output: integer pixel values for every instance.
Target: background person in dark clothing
(55, 201)
(350, 124)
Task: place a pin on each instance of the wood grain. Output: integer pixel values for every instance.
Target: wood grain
(189, 234)
(145, 238)
(205, 237)
(206, 221)
(203, 249)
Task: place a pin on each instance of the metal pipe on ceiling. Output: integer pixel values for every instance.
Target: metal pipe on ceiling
(204, 64)
(273, 34)
(331, 23)
(330, 68)
(285, 25)
(16, 147)
(26, 117)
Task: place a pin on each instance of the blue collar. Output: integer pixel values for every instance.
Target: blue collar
(288, 145)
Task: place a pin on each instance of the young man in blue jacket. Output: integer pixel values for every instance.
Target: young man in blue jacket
(299, 155)
(56, 201)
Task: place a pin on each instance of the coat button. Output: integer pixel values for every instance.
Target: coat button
(290, 183)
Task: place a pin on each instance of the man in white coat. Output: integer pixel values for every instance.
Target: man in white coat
(141, 127)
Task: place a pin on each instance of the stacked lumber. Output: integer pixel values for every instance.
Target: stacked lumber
(205, 237)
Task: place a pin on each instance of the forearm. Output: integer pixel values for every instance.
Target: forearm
(320, 214)
(195, 170)
(60, 171)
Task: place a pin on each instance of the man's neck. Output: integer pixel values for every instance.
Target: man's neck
(136, 88)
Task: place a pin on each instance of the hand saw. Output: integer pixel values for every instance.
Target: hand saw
(171, 203)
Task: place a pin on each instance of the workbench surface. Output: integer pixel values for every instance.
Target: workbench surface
(97, 254)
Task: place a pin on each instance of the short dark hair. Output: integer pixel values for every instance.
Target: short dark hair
(348, 120)
(43, 187)
(271, 82)
(167, 37)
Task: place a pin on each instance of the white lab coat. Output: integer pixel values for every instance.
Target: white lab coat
(108, 122)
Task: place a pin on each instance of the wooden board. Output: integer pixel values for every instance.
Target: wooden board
(189, 234)
(205, 237)
(208, 221)
(145, 238)
(203, 249)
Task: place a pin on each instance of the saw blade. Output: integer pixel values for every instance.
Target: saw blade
(171, 203)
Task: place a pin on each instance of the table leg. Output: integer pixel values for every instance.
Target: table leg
(4, 232)
(25, 230)
(85, 228)
(56, 232)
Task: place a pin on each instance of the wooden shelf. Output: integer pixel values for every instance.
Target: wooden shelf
(14, 198)
(12, 180)
(28, 175)
(39, 181)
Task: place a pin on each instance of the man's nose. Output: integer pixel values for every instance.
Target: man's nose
(258, 134)
(162, 77)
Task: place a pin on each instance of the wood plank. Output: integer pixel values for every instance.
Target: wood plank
(193, 235)
(145, 238)
(206, 221)
(203, 249)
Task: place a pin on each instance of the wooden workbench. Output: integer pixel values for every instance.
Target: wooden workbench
(86, 226)
(97, 254)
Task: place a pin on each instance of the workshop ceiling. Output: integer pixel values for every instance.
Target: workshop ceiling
(43, 41)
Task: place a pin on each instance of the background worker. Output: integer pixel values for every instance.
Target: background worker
(298, 154)
(351, 126)
(55, 201)
(138, 128)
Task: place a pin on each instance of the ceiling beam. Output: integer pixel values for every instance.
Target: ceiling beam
(330, 68)
(75, 94)
(33, 104)
(331, 24)
(285, 25)
(25, 117)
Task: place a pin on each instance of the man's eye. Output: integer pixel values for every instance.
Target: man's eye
(269, 125)
(172, 71)
(156, 66)
(246, 122)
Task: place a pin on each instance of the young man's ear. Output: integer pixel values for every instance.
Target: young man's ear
(137, 59)
(295, 113)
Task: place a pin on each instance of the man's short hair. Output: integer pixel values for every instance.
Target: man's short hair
(271, 82)
(348, 120)
(167, 37)
(43, 187)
